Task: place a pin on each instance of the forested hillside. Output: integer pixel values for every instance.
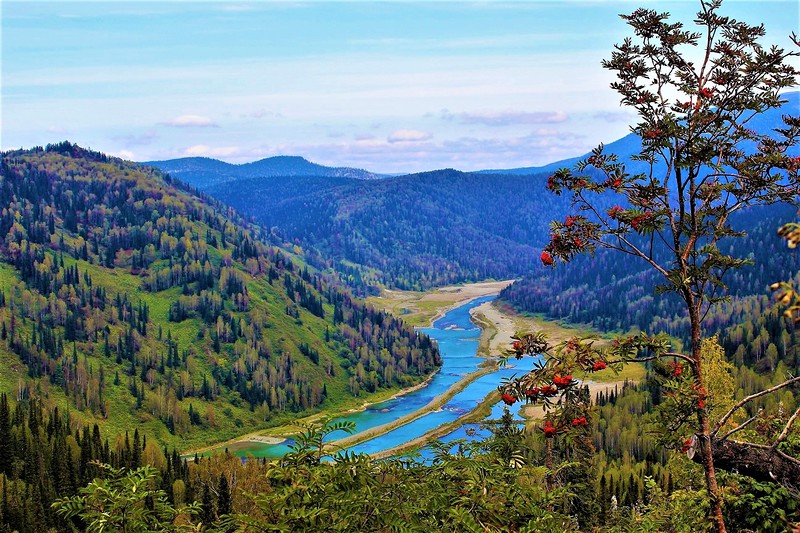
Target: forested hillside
(615, 294)
(137, 304)
(411, 232)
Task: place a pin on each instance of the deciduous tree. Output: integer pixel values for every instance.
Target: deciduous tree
(697, 95)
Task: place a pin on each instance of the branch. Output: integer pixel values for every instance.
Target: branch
(654, 357)
(742, 425)
(785, 432)
(748, 399)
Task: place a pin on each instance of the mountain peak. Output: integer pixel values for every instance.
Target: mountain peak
(204, 172)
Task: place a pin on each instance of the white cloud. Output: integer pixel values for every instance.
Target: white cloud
(190, 121)
(507, 117)
(207, 151)
(409, 136)
(125, 154)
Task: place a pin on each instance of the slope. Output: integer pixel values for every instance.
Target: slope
(142, 305)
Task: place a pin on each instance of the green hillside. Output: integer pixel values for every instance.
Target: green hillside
(137, 304)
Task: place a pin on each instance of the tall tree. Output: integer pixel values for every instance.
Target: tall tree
(696, 94)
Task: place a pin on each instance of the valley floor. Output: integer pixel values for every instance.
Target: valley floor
(498, 323)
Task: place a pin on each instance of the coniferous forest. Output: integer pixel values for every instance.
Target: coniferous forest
(125, 298)
(142, 316)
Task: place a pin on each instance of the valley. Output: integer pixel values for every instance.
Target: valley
(344, 267)
(394, 426)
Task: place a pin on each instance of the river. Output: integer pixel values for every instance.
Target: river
(458, 338)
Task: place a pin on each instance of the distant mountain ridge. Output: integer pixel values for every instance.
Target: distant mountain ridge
(631, 144)
(412, 231)
(202, 172)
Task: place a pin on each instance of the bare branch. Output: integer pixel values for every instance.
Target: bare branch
(742, 425)
(741, 403)
(786, 428)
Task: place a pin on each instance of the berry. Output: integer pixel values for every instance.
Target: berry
(508, 399)
(562, 382)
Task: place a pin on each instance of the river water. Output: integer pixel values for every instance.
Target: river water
(457, 337)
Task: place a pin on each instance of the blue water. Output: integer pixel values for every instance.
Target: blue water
(457, 338)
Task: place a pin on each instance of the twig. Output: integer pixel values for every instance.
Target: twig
(748, 399)
(741, 426)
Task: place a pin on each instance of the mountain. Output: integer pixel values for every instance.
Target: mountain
(624, 148)
(137, 304)
(410, 232)
(202, 172)
(631, 144)
(414, 231)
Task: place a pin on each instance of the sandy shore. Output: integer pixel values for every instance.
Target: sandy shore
(263, 439)
(424, 308)
(498, 326)
(498, 329)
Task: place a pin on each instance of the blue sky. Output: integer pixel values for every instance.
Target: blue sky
(386, 86)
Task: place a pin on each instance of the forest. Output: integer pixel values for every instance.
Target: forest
(130, 301)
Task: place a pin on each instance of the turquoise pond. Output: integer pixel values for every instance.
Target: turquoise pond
(457, 337)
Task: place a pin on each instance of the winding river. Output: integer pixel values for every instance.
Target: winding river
(457, 337)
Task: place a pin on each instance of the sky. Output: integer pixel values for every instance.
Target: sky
(390, 87)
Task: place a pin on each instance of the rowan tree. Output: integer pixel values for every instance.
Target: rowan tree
(696, 94)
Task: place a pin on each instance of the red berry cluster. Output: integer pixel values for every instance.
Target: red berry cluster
(508, 399)
(580, 421)
(705, 92)
(562, 382)
(547, 259)
(549, 429)
(638, 220)
(598, 365)
(675, 368)
(702, 395)
(686, 445)
(652, 134)
(615, 211)
(548, 390)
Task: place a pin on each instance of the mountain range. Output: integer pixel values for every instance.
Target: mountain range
(203, 172)
(414, 231)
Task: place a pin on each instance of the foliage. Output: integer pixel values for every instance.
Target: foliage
(126, 502)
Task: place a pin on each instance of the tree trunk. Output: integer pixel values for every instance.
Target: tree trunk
(548, 463)
(706, 450)
(759, 462)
